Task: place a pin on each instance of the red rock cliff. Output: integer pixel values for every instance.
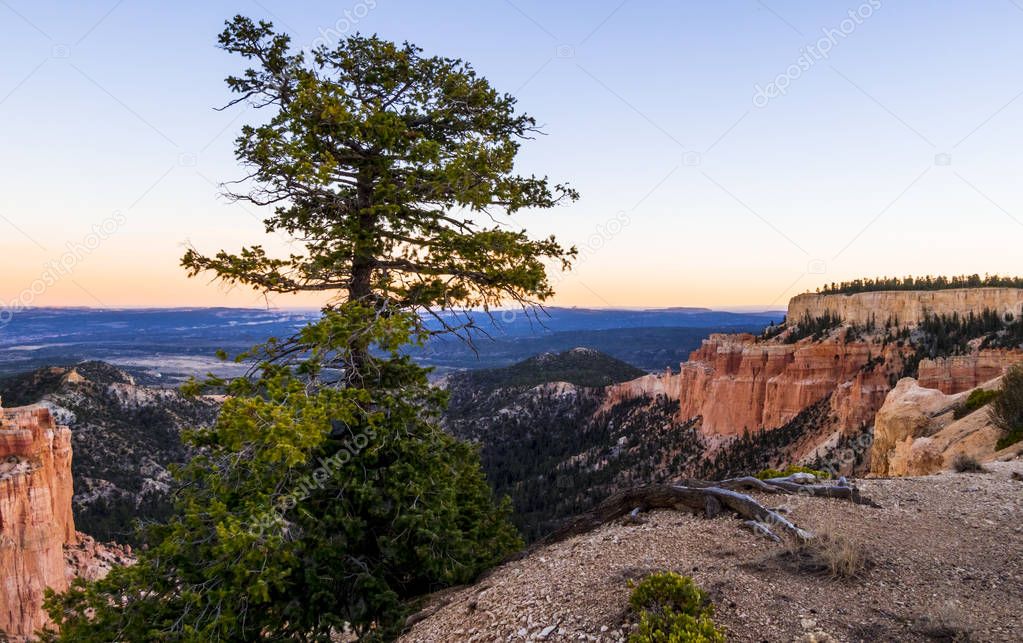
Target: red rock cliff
(735, 382)
(35, 514)
(959, 373)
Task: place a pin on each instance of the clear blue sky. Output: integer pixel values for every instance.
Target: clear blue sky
(896, 152)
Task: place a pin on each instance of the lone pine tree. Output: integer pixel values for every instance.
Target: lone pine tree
(325, 497)
(394, 170)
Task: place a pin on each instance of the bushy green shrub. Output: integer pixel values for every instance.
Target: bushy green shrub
(976, 400)
(1009, 439)
(669, 589)
(1007, 411)
(669, 626)
(672, 609)
(767, 474)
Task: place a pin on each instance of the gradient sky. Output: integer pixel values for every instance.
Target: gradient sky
(898, 152)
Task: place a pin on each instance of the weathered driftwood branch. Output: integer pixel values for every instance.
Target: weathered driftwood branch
(747, 483)
(798, 483)
(761, 529)
(710, 499)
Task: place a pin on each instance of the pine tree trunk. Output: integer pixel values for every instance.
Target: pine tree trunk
(360, 286)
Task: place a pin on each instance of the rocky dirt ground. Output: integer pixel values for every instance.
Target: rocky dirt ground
(946, 553)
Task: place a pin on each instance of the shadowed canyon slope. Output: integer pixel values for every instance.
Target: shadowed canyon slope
(124, 435)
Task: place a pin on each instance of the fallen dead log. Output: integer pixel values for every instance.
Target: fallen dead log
(798, 483)
(761, 529)
(709, 502)
(709, 498)
(746, 483)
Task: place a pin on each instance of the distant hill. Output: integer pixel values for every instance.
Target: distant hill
(648, 348)
(579, 366)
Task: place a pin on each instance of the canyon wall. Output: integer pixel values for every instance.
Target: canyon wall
(916, 432)
(964, 372)
(909, 306)
(35, 515)
(737, 383)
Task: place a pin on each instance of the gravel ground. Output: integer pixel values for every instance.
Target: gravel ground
(946, 556)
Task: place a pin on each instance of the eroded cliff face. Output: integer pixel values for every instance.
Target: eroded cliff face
(907, 307)
(916, 432)
(39, 547)
(737, 382)
(35, 514)
(109, 413)
(959, 373)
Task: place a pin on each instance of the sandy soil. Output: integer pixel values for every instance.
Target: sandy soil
(947, 554)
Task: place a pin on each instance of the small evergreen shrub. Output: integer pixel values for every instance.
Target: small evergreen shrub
(672, 609)
(669, 626)
(976, 400)
(1009, 439)
(1007, 411)
(767, 474)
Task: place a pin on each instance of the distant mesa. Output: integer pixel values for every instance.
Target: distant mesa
(907, 307)
(684, 309)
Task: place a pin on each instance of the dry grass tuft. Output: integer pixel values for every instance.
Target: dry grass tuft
(963, 463)
(832, 552)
